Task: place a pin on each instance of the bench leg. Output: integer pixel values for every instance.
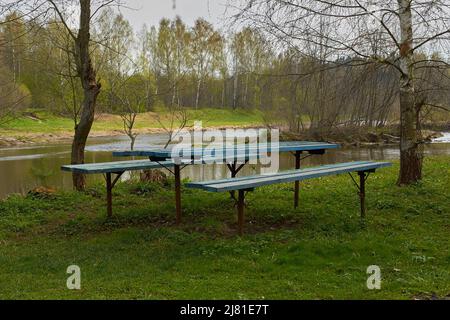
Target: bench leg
(177, 193)
(233, 172)
(240, 206)
(109, 187)
(297, 183)
(362, 193)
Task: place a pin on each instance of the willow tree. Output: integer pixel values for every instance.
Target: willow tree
(389, 32)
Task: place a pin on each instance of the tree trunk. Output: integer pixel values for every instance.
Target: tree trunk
(235, 87)
(197, 97)
(410, 154)
(91, 89)
(224, 89)
(133, 140)
(244, 102)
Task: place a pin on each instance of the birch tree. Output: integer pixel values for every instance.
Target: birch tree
(205, 48)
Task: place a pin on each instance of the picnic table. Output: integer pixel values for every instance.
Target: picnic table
(235, 156)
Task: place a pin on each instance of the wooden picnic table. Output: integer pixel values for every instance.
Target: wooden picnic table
(235, 156)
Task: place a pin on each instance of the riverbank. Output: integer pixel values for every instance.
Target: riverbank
(38, 127)
(360, 136)
(41, 127)
(318, 251)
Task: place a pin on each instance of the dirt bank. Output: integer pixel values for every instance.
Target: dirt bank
(23, 139)
(358, 136)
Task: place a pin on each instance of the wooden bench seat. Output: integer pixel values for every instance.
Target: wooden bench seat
(117, 168)
(249, 183)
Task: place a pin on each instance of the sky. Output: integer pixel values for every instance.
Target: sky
(152, 11)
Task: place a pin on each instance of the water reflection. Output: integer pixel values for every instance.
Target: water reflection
(24, 168)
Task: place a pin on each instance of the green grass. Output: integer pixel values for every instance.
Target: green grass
(318, 251)
(48, 123)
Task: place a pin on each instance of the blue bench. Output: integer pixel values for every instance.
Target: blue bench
(249, 183)
(117, 168)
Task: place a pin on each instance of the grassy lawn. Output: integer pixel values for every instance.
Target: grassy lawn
(48, 123)
(318, 251)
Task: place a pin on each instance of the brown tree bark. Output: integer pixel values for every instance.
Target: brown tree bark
(410, 153)
(91, 89)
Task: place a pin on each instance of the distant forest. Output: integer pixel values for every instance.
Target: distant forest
(176, 65)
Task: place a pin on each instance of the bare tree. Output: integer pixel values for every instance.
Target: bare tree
(128, 117)
(404, 28)
(13, 97)
(177, 120)
(131, 95)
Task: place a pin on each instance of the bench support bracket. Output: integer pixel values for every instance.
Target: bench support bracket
(234, 170)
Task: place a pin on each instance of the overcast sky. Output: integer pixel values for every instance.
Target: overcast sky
(152, 11)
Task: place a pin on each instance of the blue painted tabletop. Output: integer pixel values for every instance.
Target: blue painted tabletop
(237, 150)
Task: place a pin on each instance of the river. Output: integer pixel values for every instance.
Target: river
(23, 168)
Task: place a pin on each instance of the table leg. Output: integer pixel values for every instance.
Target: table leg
(177, 192)
(297, 183)
(240, 206)
(109, 187)
(233, 175)
(362, 193)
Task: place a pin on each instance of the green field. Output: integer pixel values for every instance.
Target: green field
(43, 122)
(319, 251)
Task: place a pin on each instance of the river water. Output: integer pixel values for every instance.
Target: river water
(23, 168)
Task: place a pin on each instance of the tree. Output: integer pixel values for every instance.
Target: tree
(222, 62)
(14, 44)
(403, 28)
(131, 96)
(205, 48)
(86, 73)
(181, 55)
(165, 50)
(147, 63)
(13, 97)
(250, 55)
(116, 39)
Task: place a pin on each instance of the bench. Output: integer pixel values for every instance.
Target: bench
(249, 183)
(117, 168)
